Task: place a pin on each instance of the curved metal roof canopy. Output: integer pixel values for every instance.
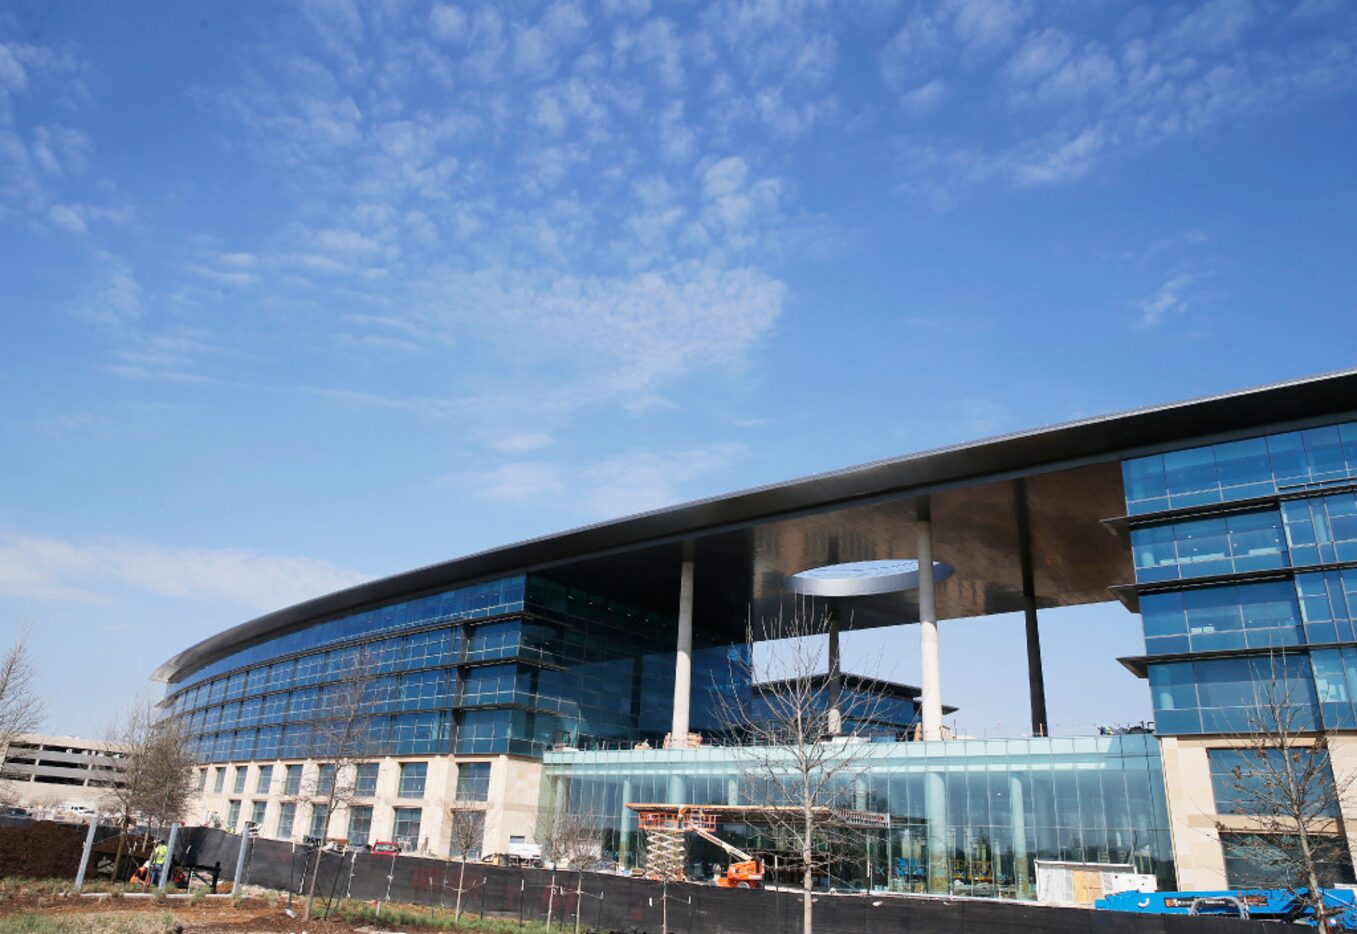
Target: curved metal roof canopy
(747, 543)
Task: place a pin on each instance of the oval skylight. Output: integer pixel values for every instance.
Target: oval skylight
(863, 578)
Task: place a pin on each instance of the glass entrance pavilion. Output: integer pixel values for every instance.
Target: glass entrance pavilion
(966, 816)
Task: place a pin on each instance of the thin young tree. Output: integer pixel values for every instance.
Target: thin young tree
(568, 837)
(157, 764)
(21, 710)
(466, 821)
(1285, 786)
(799, 761)
(341, 738)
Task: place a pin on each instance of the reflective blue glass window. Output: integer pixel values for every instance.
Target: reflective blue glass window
(280, 673)
(235, 685)
(275, 707)
(310, 668)
(1229, 695)
(483, 731)
(1248, 541)
(1239, 470)
(1323, 529)
(1254, 861)
(420, 733)
(250, 710)
(243, 747)
(476, 601)
(1253, 781)
(1191, 477)
(365, 780)
(296, 740)
(473, 781)
(412, 777)
(493, 640)
(493, 684)
(405, 827)
(269, 742)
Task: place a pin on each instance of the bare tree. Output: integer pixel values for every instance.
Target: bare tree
(157, 766)
(466, 821)
(21, 710)
(568, 837)
(799, 760)
(341, 739)
(1285, 787)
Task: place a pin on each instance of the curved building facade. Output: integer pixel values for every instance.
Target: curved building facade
(578, 669)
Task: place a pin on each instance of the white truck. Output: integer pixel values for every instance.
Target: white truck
(525, 854)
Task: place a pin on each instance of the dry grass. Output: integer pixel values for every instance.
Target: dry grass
(110, 922)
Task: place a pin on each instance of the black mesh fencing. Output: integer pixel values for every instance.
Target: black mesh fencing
(617, 903)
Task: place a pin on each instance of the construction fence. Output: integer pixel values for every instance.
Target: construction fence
(606, 902)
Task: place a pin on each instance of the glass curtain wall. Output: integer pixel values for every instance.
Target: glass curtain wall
(1255, 571)
(965, 817)
(510, 666)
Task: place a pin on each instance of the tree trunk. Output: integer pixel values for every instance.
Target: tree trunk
(551, 898)
(320, 852)
(1316, 893)
(122, 839)
(807, 875)
(461, 874)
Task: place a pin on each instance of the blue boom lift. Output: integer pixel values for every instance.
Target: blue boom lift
(1258, 904)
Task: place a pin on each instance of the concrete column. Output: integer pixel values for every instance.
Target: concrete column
(930, 678)
(1036, 679)
(834, 684)
(1021, 878)
(624, 843)
(678, 789)
(935, 814)
(683, 657)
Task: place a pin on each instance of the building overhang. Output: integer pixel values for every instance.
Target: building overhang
(747, 543)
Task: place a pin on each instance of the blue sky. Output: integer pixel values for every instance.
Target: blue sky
(298, 295)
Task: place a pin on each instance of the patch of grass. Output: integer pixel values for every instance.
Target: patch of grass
(17, 885)
(92, 923)
(438, 919)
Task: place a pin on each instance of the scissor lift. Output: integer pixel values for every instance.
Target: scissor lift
(665, 851)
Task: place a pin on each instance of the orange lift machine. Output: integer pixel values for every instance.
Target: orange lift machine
(665, 851)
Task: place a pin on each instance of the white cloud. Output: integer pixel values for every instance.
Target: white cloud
(626, 483)
(1168, 301)
(67, 218)
(114, 299)
(925, 97)
(515, 482)
(98, 570)
(447, 22)
(657, 45)
(1180, 72)
(521, 441)
(639, 480)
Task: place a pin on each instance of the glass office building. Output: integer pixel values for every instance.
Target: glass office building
(1235, 521)
(965, 816)
(506, 666)
(1244, 557)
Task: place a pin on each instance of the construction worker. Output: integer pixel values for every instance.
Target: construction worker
(158, 857)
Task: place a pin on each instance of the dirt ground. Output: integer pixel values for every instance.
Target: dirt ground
(135, 916)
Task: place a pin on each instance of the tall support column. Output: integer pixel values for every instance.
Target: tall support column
(1018, 822)
(834, 685)
(930, 679)
(1036, 679)
(625, 831)
(938, 866)
(683, 656)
